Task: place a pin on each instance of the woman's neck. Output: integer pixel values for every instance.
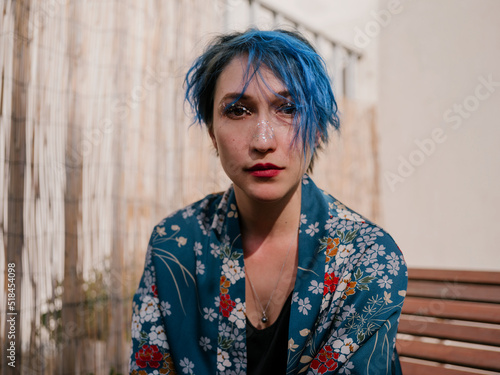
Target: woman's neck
(268, 221)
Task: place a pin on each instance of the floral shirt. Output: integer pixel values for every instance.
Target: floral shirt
(189, 310)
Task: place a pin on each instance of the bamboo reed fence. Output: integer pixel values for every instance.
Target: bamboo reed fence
(95, 148)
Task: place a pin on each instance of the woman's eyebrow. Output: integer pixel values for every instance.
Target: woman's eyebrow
(283, 94)
(234, 96)
(238, 95)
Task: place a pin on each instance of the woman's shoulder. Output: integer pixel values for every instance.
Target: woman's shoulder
(197, 216)
(343, 221)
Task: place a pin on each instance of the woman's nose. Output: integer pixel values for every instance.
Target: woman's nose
(263, 137)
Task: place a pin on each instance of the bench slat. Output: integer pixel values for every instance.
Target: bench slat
(454, 291)
(470, 356)
(480, 277)
(452, 330)
(411, 366)
(472, 311)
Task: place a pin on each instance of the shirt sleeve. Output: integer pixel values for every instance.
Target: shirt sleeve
(150, 348)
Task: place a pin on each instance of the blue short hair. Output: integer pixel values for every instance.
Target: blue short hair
(291, 58)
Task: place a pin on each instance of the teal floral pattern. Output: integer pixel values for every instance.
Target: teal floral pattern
(189, 310)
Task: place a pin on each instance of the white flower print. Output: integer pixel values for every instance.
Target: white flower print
(376, 269)
(233, 212)
(188, 212)
(205, 343)
(149, 311)
(331, 223)
(148, 279)
(157, 337)
(204, 222)
(378, 250)
(136, 327)
(214, 250)
(344, 347)
(369, 258)
(348, 310)
(344, 225)
(348, 215)
(238, 314)
(304, 305)
(187, 366)
(384, 282)
(175, 228)
(222, 360)
(346, 368)
(387, 297)
(181, 241)
(210, 314)
(295, 297)
(340, 334)
(232, 270)
(393, 257)
(324, 323)
(303, 219)
(161, 231)
(197, 248)
(165, 308)
(315, 287)
(239, 364)
(313, 229)
(326, 300)
(343, 253)
(393, 268)
(292, 345)
(200, 267)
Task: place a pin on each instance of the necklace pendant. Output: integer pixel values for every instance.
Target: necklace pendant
(264, 318)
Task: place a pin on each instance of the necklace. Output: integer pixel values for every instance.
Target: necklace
(264, 318)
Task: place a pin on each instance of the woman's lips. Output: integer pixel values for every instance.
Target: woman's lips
(264, 170)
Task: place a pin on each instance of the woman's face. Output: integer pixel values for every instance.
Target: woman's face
(254, 135)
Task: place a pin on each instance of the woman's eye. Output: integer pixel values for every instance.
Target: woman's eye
(236, 111)
(287, 109)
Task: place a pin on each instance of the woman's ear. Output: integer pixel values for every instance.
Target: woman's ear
(318, 139)
(212, 137)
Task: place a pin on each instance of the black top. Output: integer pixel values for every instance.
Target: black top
(267, 348)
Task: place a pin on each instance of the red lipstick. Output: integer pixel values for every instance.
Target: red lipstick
(264, 170)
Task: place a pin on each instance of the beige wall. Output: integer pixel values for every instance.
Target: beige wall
(439, 111)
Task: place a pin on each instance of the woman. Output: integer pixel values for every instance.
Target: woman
(273, 276)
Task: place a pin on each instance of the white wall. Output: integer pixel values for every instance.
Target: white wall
(442, 203)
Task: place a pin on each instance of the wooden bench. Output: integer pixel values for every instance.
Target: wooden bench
(450, 323)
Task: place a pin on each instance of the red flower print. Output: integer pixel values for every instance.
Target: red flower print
(330, 283)
(325, 360)
(226, 305)
(148, 355)
(155, 290)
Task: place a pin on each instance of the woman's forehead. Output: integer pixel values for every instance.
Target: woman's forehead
(237, 74)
